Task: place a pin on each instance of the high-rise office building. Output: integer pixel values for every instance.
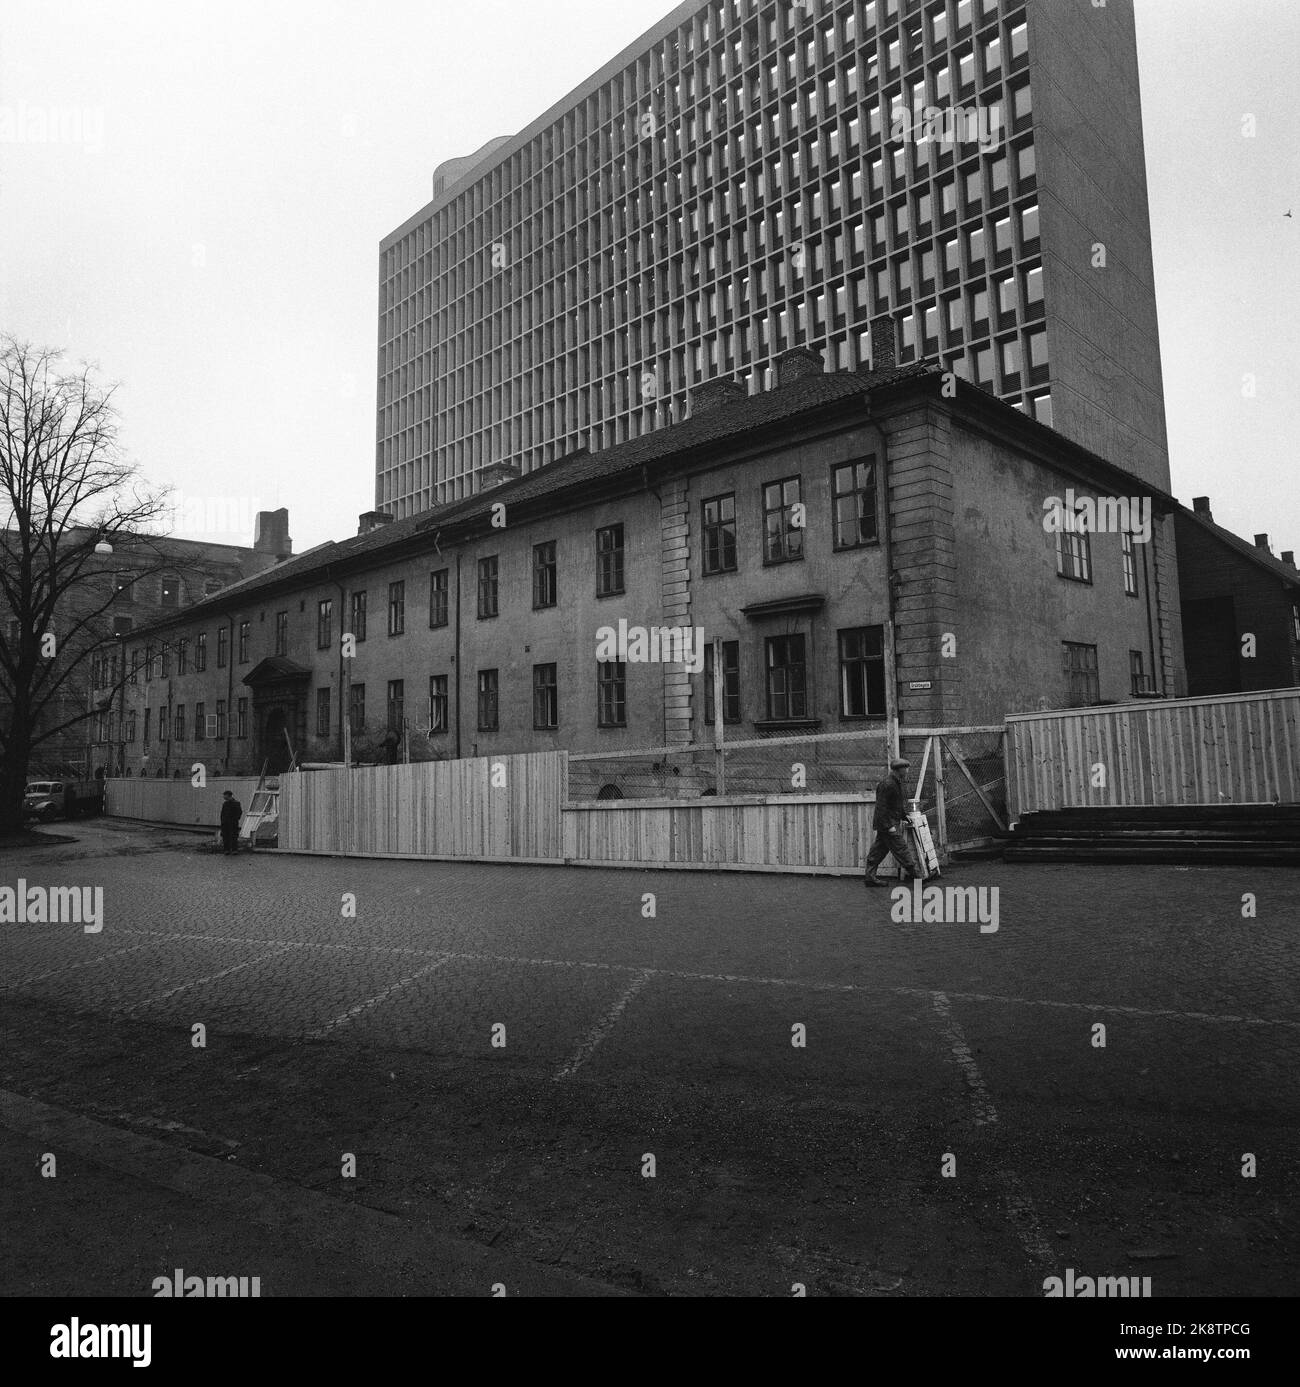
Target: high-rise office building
(754, 175)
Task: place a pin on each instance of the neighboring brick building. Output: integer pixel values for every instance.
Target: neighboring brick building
(1232, 590)
(142, 579)
(477, 623)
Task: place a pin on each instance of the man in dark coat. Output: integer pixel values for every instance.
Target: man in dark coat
(891, 811)
(231, 812)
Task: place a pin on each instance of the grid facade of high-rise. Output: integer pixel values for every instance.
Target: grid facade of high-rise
(742, 180)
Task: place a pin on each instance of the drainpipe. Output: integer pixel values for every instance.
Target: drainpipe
(887, 550)
(230, 688)
(457, 660)
(1156, 663)
(345, 740)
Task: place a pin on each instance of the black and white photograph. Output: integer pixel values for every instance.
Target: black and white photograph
(650, 655)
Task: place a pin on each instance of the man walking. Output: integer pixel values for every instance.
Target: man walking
(891, 810)
(231, 812)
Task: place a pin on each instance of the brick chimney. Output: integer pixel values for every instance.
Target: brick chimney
(372, 520)
(1261, 542)
(494, 473)
(798, 364)
(1288, 557)
(1201, 507)
(713, 394)
(884, 344)
(271, 534)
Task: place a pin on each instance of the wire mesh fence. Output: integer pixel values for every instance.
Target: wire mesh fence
(812, 765)
(957, 776)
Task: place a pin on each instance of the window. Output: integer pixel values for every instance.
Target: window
(862, 672)
(782, 521)
(145, 730)
(1073, 548)
(324, 623)
(356, 708)
(165, 659)
(487, 587)
(134, 676)
(169, 591)
(719, 524)
(787, 678)
(1079, 663)
(545, 589)
(396, 609)
(128, 733)
(609, 561)
(437, 703)
(488, 707)
(396, 705)
(730, 683)
(178, 733)
(1130, 563)
(241, 718)
(282, 633)
(201, 652)
(221, 718)
(223, 646)
(322, 712)
(611, 693)
(123, 625)
(358, 623)
(200, 721)
(163, 724)
(1295, 619)
(123, 587)
(183, 655)
(243, 642)
(437, 598)
(546, 698)
(853, 501)
(1140, 681)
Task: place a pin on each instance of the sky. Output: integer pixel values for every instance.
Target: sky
(203, 223)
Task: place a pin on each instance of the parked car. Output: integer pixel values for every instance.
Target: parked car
(63, 799)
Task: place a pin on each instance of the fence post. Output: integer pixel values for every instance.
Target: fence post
(940, 802)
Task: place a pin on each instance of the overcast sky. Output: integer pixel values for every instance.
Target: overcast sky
(209, 233)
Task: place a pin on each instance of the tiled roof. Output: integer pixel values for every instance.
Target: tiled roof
(721, 422)
(1262, 557)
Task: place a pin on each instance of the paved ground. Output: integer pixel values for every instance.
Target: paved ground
(628, 1037)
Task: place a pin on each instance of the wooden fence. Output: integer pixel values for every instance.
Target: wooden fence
(1231, 749)
(502, 808)
(173, 801)
(779, 833)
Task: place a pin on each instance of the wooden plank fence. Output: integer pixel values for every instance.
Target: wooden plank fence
(174, 801)
(1230, 749)
(485, 808)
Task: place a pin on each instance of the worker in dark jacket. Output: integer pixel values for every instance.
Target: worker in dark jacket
(891, 810)
(231, 812)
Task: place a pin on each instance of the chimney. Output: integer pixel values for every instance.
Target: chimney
(713, 394)
(271, 534)
(884, 344)
(1201, 507)
(372, 520)
(494, 473)
(1261, 542)
(1288, 557)
(798, 364)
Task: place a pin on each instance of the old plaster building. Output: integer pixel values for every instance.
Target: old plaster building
(858, 543)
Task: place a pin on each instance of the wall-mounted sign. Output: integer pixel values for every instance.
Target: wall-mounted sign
(918, 684)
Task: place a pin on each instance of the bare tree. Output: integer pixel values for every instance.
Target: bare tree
(65, 492)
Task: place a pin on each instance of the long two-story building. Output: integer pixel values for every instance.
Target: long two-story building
(849, 546)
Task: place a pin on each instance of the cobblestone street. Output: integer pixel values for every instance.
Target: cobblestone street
(621, 1036)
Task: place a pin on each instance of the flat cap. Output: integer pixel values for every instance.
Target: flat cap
(900, 763)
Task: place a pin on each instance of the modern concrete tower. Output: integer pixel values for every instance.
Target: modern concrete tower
(756, 175)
